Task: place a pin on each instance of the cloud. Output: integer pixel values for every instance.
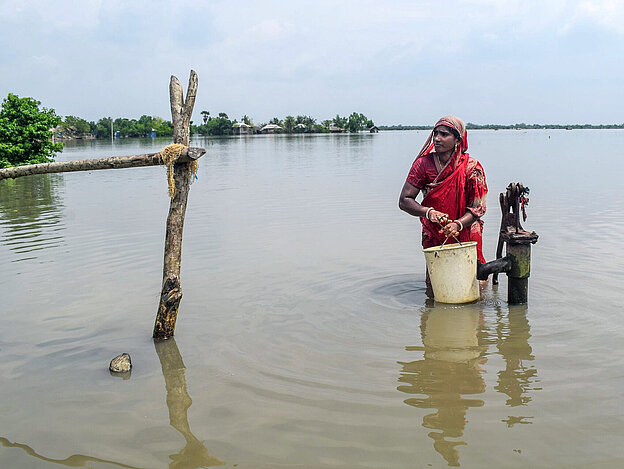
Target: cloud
(606, 13)
(396, 59)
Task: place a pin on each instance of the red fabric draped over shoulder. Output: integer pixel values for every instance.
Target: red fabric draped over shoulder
(461, 180)
(450, 197)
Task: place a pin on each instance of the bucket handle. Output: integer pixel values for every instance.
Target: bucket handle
(447, 238)
(445, 220)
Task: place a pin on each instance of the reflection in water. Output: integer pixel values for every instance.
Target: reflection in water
(30, 212)
(512, 341)
(455, 341)
(449, 371)
(194, 454)
(75, 460)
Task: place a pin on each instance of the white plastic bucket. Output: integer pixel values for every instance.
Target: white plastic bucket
(453, 272)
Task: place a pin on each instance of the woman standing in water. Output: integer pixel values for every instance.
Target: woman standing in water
(453, 186)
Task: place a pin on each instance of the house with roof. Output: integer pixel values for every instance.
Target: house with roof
(240, 128)
(271, 129)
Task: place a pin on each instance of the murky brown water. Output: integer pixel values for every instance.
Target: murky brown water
(304, 337)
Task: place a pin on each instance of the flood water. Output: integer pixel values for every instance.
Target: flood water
(304, 338)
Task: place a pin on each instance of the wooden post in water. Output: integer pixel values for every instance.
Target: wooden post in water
(182, 160)
(171, 294)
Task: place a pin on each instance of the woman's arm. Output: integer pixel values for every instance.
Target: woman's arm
(407, 203)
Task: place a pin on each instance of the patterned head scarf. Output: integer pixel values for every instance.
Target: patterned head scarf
(454, 123)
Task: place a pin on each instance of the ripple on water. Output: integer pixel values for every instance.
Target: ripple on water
(397, 291)
(27, 236)
(330, 342)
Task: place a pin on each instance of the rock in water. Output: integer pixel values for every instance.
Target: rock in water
(121, 363)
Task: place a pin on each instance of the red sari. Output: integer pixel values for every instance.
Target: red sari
(460, 187)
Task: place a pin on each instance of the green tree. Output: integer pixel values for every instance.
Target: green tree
(125, 127)
(289, 124)
(162, 126)
(25, 132)
(354, 122)
(216, 126)
(144, 126)
(357, 122)
(104, 127)
(309, 121)
(340, 121)
(205, 116)
(76, 125)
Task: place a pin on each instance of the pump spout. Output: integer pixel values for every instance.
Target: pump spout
(504, 264)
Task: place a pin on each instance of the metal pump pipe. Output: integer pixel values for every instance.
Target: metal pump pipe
(484, 270)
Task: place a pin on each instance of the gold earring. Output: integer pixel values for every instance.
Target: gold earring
(455, 146)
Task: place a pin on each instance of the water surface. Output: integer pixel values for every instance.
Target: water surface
(304, 337)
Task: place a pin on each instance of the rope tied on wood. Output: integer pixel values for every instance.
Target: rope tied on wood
(168, 156)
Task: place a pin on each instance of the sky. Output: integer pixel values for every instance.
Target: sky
(396, 61)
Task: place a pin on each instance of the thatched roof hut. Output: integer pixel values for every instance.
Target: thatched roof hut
(240, 128)
(271, 129)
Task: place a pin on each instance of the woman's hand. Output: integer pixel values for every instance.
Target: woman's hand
(451, 229)
(438, 217)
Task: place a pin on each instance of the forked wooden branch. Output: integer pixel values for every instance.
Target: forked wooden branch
(171, 294)
(181, 109)
(181, 112)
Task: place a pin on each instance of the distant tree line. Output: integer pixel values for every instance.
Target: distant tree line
(222, 125)
(30, 134)
(471, 126)
(72, 126)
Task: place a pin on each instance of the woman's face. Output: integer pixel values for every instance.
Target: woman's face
(444, 139)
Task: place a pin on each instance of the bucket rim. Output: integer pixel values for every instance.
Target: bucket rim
(449, 247)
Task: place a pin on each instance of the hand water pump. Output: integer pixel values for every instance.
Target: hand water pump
(517, 261)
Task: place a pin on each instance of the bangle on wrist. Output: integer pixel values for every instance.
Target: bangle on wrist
(461, 225)
(427, 213)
